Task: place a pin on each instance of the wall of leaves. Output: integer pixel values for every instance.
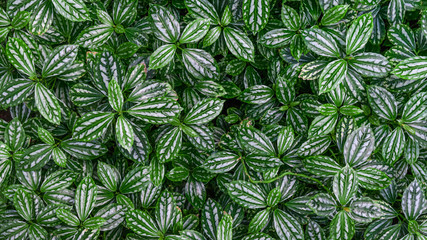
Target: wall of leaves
(213, 119)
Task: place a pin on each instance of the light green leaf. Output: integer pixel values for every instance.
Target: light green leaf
(247, 194)
(204, 111)
(124, 133)
(412, 68)
(200, 63)
(382, 102)
(334, 15)
(221, 162)
(164, 24)
(333, 74)
(195, 31)
(225, 228)
(239, 44)
(359, 33)
(20, 56)
(169, 145)
(286, 226)
(256, 14)
(342, 227)
(85, 198)
(59, 60)
(73, 10)
(345, 185)
(321, 42)
(156, 110)
(202, 9)
(162, 56)
(92, 125)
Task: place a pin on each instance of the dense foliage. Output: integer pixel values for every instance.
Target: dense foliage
(213, 119)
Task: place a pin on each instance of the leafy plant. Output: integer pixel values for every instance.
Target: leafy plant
(213, 119)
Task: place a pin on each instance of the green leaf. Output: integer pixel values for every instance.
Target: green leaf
(225, 228)
(124, 133)
(162, 56)
(261, 162)
(108, 175)
(334, 15)
(36, 156)
(415, 108)
(322, 166)
(59, 157)
(364, 210)
(323, 204)
(200, 63)
(135, 180)
(393, 146)
(259, 221)
(247, 194)
(370, 65)
(412, 68)
(94, 36)
(290, 18)
(59, 60)
(239, 44)
(257, 94)
(45, 136)
(124, 11)
(16, 92)
(14, 230)
(402, 36)
(115, 95)
(35, 231)
(47, 104)
(413, 201)
(202, 9)
(41, 19)
(276, 38)
(73, 10)
(157, 172)
(83, 150)
(85, 198)
(24, 204)
(345, 185)
(20, 56)
(221, 162)
(256, 14)
(314, 146)
(178, 174)
(164, 24)
(342, 227)
(142, 224)
(359, 146)
(253, 140)
(156, 110)
(93, 223)
(14, 135)
(92, 125)
(382, 102)
(204, 111)
(212, 36)
(165, 211)
(396, 11)
(321, 42)
(285, 139)
(169, 145)
(359, 33)
(195, 31)
(286, 226)
(322, 125)
(333, 74)
(227, 16)
(285, 93)
(67, 217)
(274, 197)
(58, 180)
(20, 20)
(372, 179)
